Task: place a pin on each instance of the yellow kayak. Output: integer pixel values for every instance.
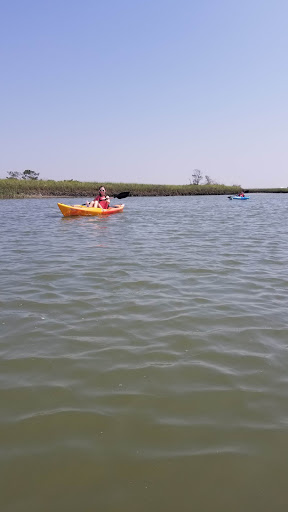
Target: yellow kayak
(78, 209)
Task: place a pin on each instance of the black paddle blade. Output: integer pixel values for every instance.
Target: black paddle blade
(122, 195)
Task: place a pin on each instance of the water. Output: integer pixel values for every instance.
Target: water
(144, 356)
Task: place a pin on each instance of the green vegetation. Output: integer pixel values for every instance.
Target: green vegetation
(280, 190)
(15, 188)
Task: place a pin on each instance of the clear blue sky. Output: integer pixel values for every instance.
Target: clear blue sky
(145, 90)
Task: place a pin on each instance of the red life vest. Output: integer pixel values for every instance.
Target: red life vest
(102, 200)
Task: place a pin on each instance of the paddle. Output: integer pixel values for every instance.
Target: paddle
(122, 195)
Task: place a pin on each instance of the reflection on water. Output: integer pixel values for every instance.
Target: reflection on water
(144, 356)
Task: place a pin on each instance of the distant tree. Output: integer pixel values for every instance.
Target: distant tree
(197, 177)
(13, 175)
(209, 181)
(30, 175)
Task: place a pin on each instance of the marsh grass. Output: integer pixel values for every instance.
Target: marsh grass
(11, 189)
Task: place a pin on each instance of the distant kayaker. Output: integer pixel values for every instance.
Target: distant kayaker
(241, 194)
(101, 200)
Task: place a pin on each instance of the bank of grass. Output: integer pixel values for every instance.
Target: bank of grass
(278, 190)
(12, 189)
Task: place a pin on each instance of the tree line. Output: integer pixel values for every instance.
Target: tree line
(25, 175)
(198, 177)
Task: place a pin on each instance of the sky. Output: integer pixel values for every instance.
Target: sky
(145, 91)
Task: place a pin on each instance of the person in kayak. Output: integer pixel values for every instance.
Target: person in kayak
(101, 200)
(241, 194)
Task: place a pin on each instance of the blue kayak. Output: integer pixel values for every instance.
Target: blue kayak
(241, 198)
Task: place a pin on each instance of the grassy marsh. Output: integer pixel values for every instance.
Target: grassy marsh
(13, 188)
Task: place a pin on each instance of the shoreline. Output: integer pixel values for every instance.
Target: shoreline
(39, 189)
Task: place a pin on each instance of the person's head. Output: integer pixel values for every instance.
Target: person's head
(102, 191)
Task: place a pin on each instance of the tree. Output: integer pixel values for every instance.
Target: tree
(30, 175)
(13, 175)
(197, 177)
(209, 181)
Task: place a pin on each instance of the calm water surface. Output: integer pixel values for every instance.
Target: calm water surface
(144, 356)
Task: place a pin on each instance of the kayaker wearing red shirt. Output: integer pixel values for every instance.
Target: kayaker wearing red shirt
(101, 200)
(241, 194)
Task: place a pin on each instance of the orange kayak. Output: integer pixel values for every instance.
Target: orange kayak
(78, 209)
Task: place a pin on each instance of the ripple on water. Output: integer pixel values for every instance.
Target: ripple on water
(143, 338)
